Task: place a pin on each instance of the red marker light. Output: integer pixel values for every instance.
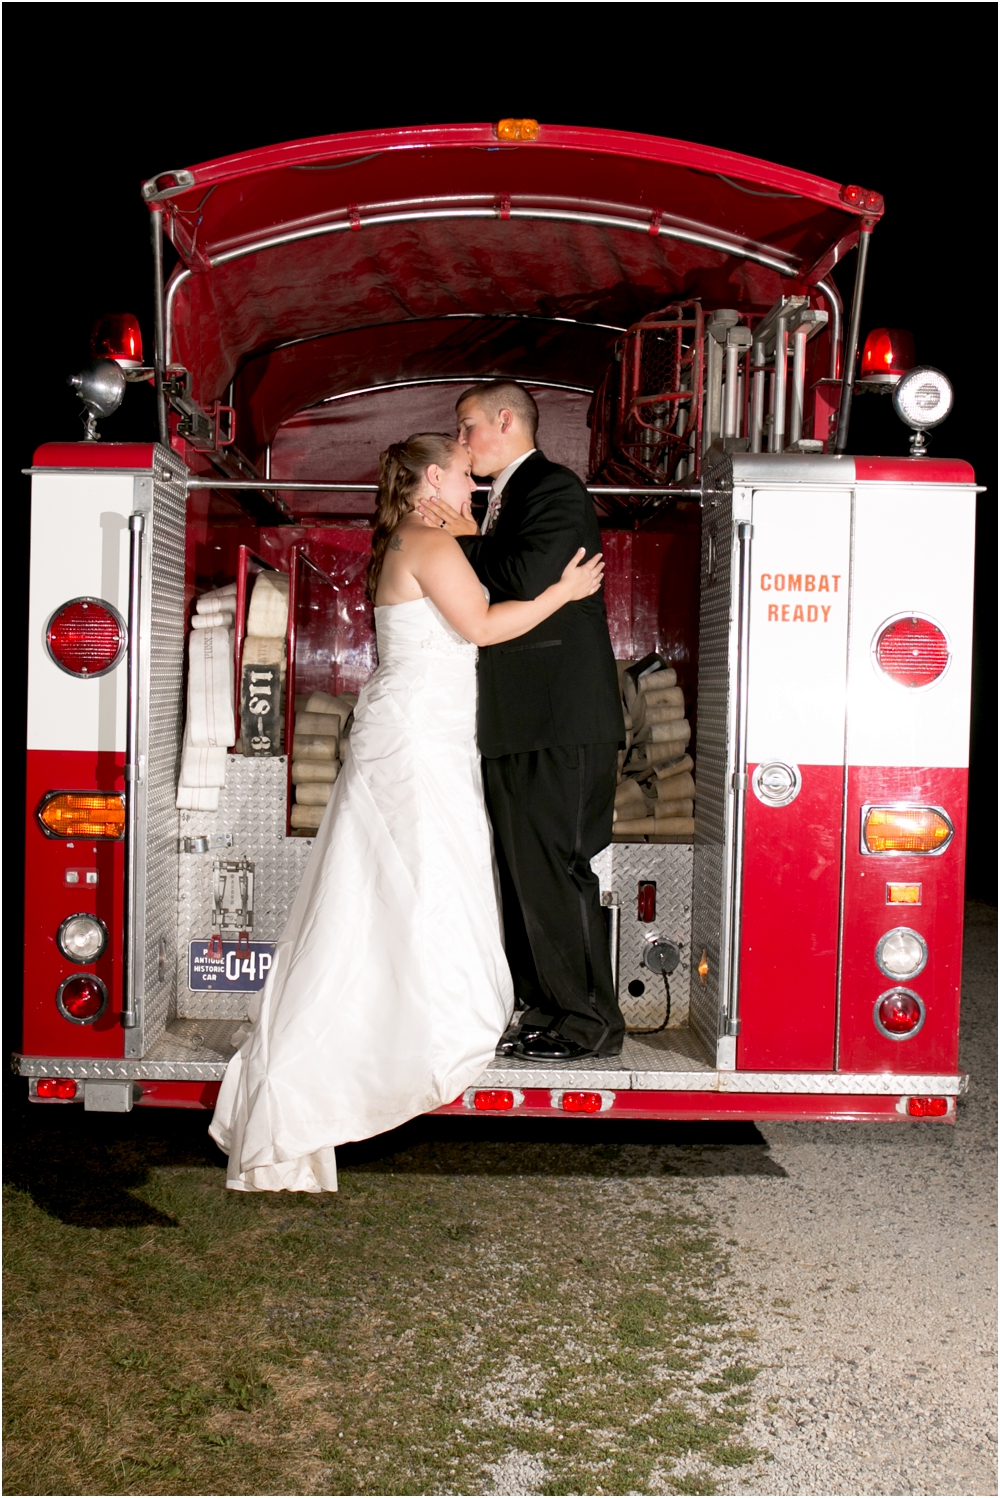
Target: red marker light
(494, 1100)
(912, 651)
(45, 1087)
(927, 1107)
(86, 637)
(117, 336)
(647, 900)
(888, 353)
(581, 1102)
(66, 1088)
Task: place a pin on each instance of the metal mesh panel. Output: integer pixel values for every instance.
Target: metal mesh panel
(252, 809)
(160, 733)
(714, 749)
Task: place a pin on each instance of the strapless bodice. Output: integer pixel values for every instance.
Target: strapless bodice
(417, 628)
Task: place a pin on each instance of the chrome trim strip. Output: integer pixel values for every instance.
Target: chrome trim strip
(879, 1084)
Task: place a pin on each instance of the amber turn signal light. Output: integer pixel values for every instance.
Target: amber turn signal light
(95, 814)
(905, 829)
(517, 130)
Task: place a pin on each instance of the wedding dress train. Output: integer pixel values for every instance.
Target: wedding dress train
(389, 988)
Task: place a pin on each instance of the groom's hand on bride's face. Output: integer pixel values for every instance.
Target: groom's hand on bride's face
(440, 516)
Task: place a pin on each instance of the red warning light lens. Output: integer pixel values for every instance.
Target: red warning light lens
(927, 1107)
(66, 1088)
(117, 336)
(912, 651)
(647, 900)
(496, 1100)
(887, 351)
(45, 1087)
(581, 1102)
(86, 637)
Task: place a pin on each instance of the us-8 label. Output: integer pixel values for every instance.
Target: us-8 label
(233, 972)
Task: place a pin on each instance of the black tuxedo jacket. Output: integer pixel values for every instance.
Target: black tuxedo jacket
(557, 684)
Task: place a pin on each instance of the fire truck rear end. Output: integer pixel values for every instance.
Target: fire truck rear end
(792, 623)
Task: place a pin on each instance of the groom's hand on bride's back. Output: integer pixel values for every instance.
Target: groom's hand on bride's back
(440, 516)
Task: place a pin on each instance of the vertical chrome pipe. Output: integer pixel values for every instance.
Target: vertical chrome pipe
(799, 339)
(851, 348)
(777, 442)
(713, 392)
(744, 532)
(156, 234)
(614, 935)
(133, 774)
(757, 397)
(832, 296)
(732, 389)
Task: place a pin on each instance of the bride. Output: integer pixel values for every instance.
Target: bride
(390, 989)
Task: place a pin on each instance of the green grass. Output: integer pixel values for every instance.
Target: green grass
(465, 1300)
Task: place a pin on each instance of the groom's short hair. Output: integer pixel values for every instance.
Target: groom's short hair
(493, 396)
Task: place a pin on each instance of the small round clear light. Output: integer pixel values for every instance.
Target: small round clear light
(82, 938)
(901, 953)
(923, 398)
(899, 1014)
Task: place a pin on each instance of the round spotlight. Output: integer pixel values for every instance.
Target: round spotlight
(82, 938)
(901, 953)
(899, 1013)
(922, 399)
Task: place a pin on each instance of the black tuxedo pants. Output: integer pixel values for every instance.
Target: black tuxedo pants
(552, 811)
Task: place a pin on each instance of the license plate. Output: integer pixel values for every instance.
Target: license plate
(233, 972)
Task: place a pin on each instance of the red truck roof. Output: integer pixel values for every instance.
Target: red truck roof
(355, 242)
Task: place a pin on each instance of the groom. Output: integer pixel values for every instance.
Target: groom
(550, 722)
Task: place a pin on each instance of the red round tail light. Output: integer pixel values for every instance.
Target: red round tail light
(912, 651)
(86, 637)
(45, 1087)
(82, 999)
(66, 1088)
(581, 1102)
(899, 1013)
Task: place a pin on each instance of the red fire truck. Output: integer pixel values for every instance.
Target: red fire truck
(791, 945)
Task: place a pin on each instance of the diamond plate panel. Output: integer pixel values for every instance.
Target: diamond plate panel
(716, 651)
(620, 869)
(252, 808)
(160, 723)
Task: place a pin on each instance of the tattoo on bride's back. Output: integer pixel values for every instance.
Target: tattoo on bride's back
(396, 543)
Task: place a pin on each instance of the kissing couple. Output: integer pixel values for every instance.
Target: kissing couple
(393, 982)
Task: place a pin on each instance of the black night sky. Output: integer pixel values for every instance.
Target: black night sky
(894, 97)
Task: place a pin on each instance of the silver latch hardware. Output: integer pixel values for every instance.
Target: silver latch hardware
(232, 896)
(207, 842)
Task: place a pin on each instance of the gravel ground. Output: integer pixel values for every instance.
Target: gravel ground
(867, 1265)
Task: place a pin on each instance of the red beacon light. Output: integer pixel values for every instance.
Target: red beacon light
(493, 1100)
(117, 336)
(887, 355)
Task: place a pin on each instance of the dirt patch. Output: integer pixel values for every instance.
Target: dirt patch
(533, 1312)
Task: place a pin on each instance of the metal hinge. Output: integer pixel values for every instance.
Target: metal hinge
(207, 843)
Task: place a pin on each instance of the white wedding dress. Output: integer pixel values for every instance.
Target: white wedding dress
(390, 988)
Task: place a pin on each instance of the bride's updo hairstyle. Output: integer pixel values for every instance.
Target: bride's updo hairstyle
(402, 468)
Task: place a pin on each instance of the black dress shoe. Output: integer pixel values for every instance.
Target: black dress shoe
(510, 1038)
(546, 1045)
